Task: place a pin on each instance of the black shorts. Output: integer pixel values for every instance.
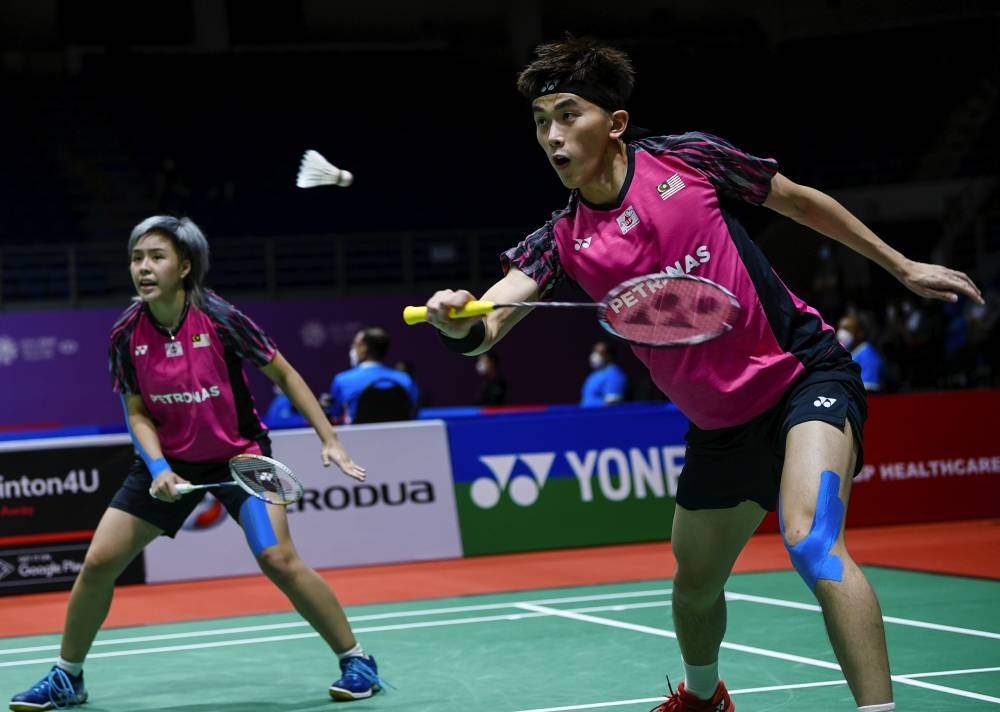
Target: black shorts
(727, 466)
(133, 496)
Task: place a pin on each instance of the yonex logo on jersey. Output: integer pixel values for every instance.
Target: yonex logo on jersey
(670, 186)
(628, 220)
(200, 341)
(824, 401)
(141, 350)
(582, 243)
(174, 349)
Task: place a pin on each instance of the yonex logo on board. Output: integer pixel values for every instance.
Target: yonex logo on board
(610, 474)
(523, 490)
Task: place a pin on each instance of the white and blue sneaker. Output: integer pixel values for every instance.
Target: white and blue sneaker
(358, 680)
(56, 691)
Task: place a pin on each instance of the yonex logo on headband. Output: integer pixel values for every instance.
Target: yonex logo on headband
(549, 87)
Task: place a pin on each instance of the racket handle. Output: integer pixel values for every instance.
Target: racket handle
(417, 315)
(185, 487)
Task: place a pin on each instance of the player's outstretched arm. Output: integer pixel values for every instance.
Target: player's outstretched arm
(288, 379)
(516, 286)
(822, 213)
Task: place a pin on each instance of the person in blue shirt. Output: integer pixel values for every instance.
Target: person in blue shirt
(606, 384)
(853, 336)
(282, 414)
(367, 353)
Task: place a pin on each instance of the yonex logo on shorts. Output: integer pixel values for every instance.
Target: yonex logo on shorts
(523, 490)
(824, 401)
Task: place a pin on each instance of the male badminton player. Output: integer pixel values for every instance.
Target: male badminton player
(176, 357)
(776, 404)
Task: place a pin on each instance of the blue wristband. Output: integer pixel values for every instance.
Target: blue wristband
(157, 466)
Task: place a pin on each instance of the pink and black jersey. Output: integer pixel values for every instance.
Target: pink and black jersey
(192, 380)
(669, 217)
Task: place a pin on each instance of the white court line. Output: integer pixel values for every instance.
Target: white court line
(941, 673)
(749, 690)
(298, 636)
(647, 700)
(749, 649)
(356, 619)
(888, 619)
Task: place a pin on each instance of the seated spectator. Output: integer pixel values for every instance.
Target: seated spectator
(853, 336)
(281, 413)
(367, 370)
(493, 390)
(606, 384)
(423, 396)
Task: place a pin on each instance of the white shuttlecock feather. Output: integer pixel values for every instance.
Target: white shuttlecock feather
(316, 170)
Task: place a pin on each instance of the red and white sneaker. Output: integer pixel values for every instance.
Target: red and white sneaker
(684, 701)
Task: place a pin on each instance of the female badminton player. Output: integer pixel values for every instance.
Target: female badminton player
(776, 404)
(175, 357)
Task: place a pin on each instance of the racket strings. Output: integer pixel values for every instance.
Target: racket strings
(659, 312)
(267, 481)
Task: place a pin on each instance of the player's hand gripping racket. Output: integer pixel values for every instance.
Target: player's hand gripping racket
(261, 476)
(652, 310)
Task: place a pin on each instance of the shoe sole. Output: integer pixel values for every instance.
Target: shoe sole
(342, 695)
(29, 707)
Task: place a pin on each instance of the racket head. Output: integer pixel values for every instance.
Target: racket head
(661, 310)
(266, 479)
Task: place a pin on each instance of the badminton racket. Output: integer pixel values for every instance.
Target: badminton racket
(652, 310)
(261, 476)
(315, 170)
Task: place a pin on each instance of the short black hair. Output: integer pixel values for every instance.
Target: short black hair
(579, 60)
(377, 341)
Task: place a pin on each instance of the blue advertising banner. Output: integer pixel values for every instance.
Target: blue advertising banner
(566, 477)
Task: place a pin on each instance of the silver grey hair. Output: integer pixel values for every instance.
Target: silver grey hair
(189, 242)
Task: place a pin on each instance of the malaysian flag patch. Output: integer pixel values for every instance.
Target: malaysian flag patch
(670, 186)
(200, 341)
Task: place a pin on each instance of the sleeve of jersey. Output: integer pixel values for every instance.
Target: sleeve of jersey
(120, 364)
(247, 340)
(733, 172)
(538, 257)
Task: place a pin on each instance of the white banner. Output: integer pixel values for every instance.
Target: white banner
(405, 511)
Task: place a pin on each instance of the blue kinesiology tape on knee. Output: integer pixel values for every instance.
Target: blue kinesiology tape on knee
(811, 557)
(257, 525)
(155, 466)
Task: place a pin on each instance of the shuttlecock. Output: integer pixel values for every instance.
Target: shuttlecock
(316, 170)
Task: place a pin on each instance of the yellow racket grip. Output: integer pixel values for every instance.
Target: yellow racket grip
(417, 315)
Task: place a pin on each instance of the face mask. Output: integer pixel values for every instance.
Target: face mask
(845, 338)
(353, 356)
(481, 368)
(596, 360)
